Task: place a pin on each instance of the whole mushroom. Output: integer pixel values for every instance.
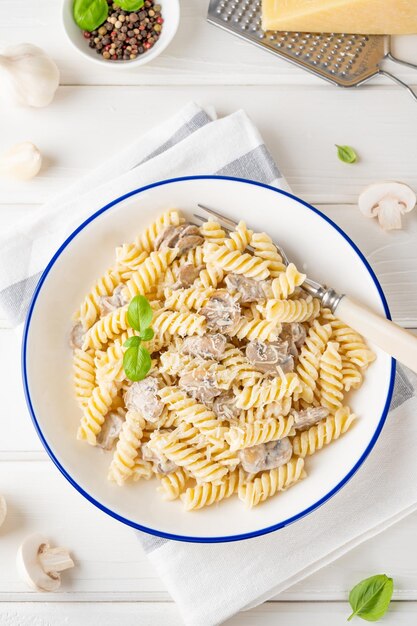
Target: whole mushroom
(387, 201)
(39, 565)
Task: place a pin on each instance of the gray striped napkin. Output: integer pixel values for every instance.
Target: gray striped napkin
(211, 582)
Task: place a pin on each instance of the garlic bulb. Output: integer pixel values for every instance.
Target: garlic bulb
(21, 162)
(27, 76)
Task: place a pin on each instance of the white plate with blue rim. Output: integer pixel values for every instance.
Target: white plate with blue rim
(317, 246)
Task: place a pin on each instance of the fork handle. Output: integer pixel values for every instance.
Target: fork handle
(391, 338)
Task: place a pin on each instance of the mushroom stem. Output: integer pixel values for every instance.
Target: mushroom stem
(389, 213)
(54, 559)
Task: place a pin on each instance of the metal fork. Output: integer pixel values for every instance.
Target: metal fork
(390, 337)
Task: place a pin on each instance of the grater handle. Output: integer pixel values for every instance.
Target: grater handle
(394, 340)
(391, 57)
(397, 80)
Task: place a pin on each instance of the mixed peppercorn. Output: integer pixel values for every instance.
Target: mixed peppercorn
(127, 34)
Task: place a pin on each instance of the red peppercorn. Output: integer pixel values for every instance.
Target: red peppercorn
(160, 20)
(114, 57)
(147, 45)
(86, 34)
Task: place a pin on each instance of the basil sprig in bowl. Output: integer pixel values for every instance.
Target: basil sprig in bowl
(80, 16)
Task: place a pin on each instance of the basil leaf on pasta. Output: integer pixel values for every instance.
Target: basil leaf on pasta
(136, 363)
(139, 314)
(132, 342)
(147, 334)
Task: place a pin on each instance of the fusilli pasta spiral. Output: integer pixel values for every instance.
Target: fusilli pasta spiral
(285, 283)
(258, 432)
(270, 482)
(89, 310)
(237, 262)
(265, 249)
(95, 411)
(208, 493)
(323, 433)
(123, 462)
(84, 375)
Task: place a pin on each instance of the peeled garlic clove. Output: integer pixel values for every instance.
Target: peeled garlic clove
(21, 162)
(28, 76)
(3, 510)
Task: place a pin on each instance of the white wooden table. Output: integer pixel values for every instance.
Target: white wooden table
(94, 114)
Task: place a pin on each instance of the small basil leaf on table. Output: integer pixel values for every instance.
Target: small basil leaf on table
(130, 5)
(136, 363)
(370, 598)
(89, 14)
(346, 154)
(132, 342)
(147, 334)
(139, 313)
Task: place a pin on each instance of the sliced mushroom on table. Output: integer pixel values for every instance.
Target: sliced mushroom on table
(142, 397)
(39, 565)
(210, 346)
(387, 201)
(222, 311)
(249, 290)
(308, 417)
(270, 358)
(200, 384)
(266, 456)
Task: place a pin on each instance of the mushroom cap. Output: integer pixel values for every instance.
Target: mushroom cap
(370, 197)
(30, 568)
(3, 509)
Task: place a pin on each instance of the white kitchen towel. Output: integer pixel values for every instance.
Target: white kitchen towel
(189, 143)
(212, 582)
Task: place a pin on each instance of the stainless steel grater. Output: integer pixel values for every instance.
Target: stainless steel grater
(344, 60)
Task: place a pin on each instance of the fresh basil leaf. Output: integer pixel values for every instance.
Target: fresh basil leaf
(130, 5)
(136, 363)
(370, 598)
(147, 334)
(89, 14)
(139, 313)
(132, 341)
(346, 154)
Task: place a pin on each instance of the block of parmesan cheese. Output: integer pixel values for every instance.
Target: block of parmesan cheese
(367, 17)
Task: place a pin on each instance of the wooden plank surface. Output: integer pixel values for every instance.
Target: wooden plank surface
(199, 54)
(149, 614)
(110, 564)
(97, 112)
(84, 126)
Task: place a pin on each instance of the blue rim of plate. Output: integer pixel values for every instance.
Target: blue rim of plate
(151, 531)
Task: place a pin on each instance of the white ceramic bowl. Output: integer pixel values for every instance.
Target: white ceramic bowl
(170, 10)
(317, 246)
